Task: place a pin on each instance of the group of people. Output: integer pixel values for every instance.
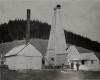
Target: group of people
(72, 66)
(77, 66)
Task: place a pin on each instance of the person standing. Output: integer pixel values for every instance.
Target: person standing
(72, 66)
(77, 66)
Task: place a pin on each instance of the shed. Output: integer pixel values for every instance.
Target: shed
(24, 57)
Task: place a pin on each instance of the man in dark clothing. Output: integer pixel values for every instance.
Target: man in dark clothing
(77, 66)
(72, 65)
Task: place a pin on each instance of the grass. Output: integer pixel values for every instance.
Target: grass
(31, 75)
(50, 75)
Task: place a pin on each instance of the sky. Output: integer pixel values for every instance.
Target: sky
(79, 16)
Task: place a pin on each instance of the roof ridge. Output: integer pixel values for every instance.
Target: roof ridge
(22, 49)
(19, 51)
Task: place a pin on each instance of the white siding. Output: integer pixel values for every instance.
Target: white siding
(89, 65)
(11, 62)
(21, 62)
(27, 57)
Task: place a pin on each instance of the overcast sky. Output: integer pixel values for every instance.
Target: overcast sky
(79, 16)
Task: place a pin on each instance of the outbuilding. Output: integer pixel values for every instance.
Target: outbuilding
(24, 57)
(89, 61)
(86, 59)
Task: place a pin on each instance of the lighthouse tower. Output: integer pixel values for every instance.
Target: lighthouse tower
(56, 51)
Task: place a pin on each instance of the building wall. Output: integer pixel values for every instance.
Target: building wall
(75, 56)
(22, 62)
(89, 65)
(61, 59)
(73, 53)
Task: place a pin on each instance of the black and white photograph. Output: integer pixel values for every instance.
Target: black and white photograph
(49, 39)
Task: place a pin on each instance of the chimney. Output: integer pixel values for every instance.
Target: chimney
(28, 26)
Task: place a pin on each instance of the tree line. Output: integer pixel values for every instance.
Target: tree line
(81, 41)
(16, 30)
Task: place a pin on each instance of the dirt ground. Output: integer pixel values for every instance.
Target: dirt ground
(49, 75)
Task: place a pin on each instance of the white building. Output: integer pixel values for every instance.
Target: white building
(87, 60)
(59, 53)
(24, 57)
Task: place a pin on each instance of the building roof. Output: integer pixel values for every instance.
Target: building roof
(39, 44)
(15, 50)
(80, 49)
(88, 56)
(84, 53)
(73, 53)
(83, 50)
(24, 50)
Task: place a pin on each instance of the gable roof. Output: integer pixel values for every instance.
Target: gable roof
(15, 50)
(24, 50)
(83, 50)
(88, 56)
(80, 49)
(29, 50)
(6, 47)
(39, 44)
(73, 53)
(86, 51)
